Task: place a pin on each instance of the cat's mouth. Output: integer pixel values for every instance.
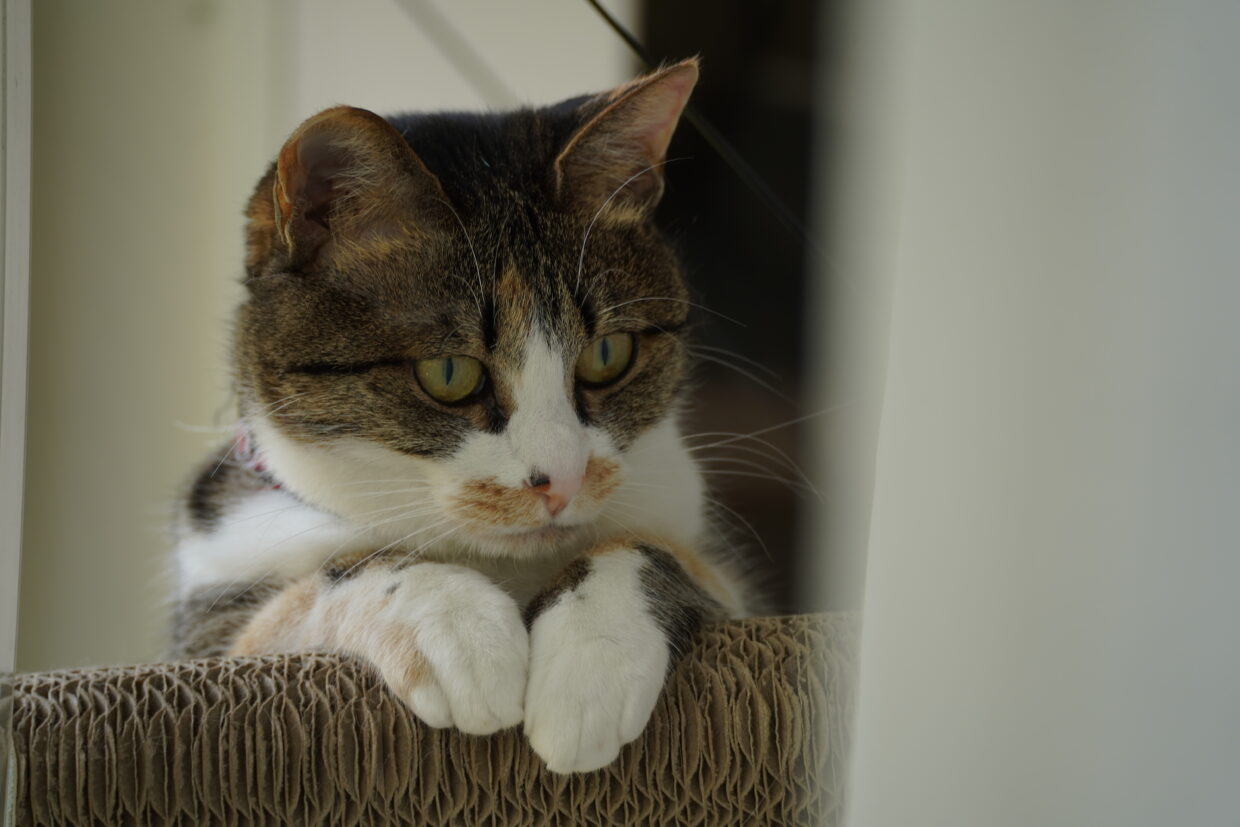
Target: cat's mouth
(501, 512)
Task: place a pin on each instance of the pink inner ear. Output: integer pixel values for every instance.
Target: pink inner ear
(301, 225)
(322, 165)
(659, 108)
(346, 171)
(618, 153)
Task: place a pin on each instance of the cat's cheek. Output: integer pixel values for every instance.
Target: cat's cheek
(598, 663)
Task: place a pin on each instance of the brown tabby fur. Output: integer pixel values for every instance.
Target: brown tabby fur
(374, 243)
(420, 264)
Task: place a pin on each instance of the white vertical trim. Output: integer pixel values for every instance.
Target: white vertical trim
(15, 280)
(16, 241)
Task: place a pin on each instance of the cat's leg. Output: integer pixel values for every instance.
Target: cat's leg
(603, 638)
(206, 619)
(446, 639)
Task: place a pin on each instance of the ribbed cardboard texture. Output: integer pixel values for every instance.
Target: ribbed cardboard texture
(752, 730)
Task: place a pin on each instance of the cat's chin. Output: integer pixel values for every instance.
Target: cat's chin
(534, 542)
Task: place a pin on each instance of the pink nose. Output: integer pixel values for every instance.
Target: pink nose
(556, 493)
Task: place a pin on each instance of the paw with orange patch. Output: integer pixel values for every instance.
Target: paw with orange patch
(452, 645)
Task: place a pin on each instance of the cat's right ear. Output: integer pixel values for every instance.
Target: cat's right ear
(345, 175)
(616, 159)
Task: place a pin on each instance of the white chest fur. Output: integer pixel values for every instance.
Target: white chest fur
(273, 534)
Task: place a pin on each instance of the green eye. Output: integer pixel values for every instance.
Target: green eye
(605, 359)
(451, 378)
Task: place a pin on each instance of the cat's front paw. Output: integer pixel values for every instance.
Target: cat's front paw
(453, 647)
(598, 663)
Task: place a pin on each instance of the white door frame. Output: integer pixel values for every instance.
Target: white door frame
(14, 323)
(14, 307)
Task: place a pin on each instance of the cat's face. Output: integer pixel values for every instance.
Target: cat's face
(482, 338)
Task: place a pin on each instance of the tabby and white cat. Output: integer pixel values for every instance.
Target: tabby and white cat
(459, 363)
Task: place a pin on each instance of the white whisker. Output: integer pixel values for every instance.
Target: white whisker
(762, 383)
(408, 511)
(754, 532)
(769, 428)
(774, 454)
(585, 238)
(377, 482)
(677, 301)
(473, 254)
(734, 438)
(792, 484)
(752, 362)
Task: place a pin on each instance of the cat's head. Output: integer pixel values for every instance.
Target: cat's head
(468, 325)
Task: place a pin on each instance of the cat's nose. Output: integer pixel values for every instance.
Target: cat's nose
(556, 492)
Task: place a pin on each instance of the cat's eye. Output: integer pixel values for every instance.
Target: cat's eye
(605, 359)
(450, 379)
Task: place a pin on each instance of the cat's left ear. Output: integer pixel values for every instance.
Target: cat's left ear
(344, 179)
(616, 158)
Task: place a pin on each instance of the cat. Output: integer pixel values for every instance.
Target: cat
(460, 362)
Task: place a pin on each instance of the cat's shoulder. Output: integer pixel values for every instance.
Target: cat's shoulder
(237, 523)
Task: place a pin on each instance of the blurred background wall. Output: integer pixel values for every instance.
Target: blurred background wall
(1052, 629)
(152, 121)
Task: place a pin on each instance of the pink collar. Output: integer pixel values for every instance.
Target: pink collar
(246, 453)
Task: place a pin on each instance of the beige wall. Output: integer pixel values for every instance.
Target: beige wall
(148, 128)
(1051, 613)
(152, 121)
(379, 57)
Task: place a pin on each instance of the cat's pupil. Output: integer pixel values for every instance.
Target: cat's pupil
(604, 351)
(448, 369)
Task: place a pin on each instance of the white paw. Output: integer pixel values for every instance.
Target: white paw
(464, 663)
(597, 667)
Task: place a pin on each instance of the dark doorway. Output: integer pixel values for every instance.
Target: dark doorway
(757, 89)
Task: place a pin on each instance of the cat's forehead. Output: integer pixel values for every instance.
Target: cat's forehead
(491, 282)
